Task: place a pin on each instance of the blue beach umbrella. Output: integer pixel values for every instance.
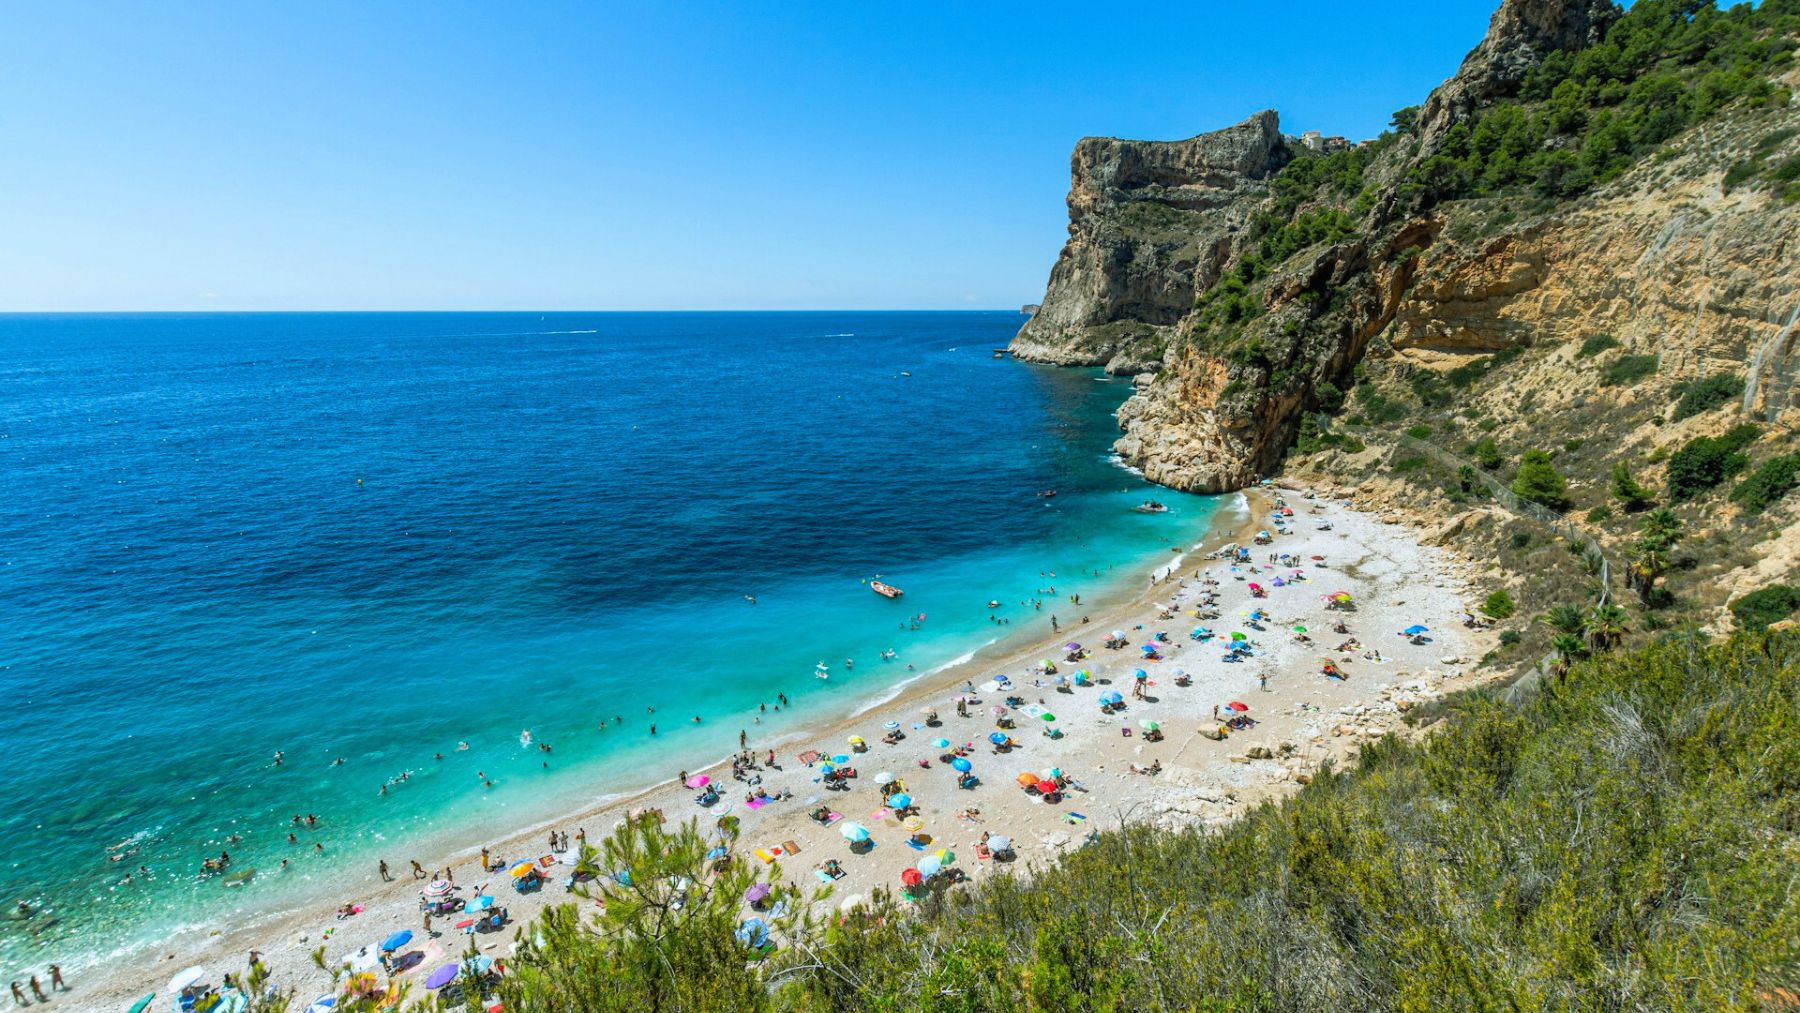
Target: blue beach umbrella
(716, 853)
(1149, 649)
(826, 768)
(397, 940)
(855, 833)
(961, 764)
(1111, 696)
(1413, 631)
(940, 743)
(899, 800)
(477, 904)
(1140, 674)
(996, 737)
(841, 759)
(753, 933)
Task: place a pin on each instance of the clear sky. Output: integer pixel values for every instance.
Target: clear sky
(387, 155)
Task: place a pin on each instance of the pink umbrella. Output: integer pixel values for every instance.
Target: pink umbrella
(698, 781)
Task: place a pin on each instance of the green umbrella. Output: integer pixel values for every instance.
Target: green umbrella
(1299, 629)
(1048, 716)
(141, 1004)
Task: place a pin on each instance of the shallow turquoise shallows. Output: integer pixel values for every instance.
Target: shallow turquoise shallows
(375, 536)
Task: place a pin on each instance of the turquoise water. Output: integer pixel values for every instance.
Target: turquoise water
(374, 536)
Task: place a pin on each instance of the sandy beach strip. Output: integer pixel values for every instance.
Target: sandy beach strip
(1301, 719)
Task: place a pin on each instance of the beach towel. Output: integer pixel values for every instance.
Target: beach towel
(792, 848)
(824, 877)
(757, 803)
(834, 817)
(915, 845)
(767, 855)
(881, 814)
(1074, 817)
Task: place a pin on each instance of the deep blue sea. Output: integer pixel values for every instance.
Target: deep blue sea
(374, 536)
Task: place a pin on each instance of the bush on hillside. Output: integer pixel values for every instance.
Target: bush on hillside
(1628, 370)
(1700, 396)
(1703, 463)
(1756, 610)
(1596, 344)
(1539, 482)
(1775, 479)
(1498, 604)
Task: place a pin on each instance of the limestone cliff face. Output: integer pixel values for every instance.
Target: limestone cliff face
(1150, 225)
(1665, 259)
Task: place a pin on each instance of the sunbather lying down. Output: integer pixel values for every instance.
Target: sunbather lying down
(1154, 768)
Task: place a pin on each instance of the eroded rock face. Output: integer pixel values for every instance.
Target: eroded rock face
(1520, 34)
(1150, 224)
(1663, 258)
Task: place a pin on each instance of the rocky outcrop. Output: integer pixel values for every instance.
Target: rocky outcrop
(1150, 225)
(1665, 259)
(1520, 34)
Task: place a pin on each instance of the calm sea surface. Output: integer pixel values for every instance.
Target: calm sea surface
(376, 536)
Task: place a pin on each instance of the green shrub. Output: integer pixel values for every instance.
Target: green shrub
(1600, 514)
(1487, 453)
(1704, 463)
(1775, 479)
(1772, 604)
(1539, 482)
(1519, 540)
(1705, 395)
(1628, 490)
(1419, 432)
(1498, 604)
(1328, 398)
(1407, 464)
(1628, 370)
(1510, 638)
(1596, 344)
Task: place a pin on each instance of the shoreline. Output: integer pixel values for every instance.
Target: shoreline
(272, 929)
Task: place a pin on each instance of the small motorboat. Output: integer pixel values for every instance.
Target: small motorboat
(885, 590)
(1047, 493)
(1150, 506)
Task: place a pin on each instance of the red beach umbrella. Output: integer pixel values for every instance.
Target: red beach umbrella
(910, 877)
(1239, 707)
(1046, 787)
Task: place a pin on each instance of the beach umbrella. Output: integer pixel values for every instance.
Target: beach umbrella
(1111, 696)
(1237, 635)
(999, 711)
(397, 940)
(841, 759)
(899, 800)
(1236, 706)
(442, 976)
(1299, 629)
(946, 856)
(438, 888)
(480, 963)
(699, 781)
(323, 1004)
(826, 768)
(1148, 725)
(892, 726)
(855, 833)
(753, 933)
(913, 823)
(929, 865)
(961, 765)
(999, 843)
(911, 877)
(186, 979)
(1046, 787)
(1051, 773)
(478, 904)
(856, 740)
(1118, 635)
(1148, 648)
(940, 743)
(885, 777)
(1027, 779)
(521, 870)
(1059, 679)
(142, 1004)
(1415, 630)
(997, 737)
(756, 892)
(1140, 675)
(1047, 716)
(718, 852)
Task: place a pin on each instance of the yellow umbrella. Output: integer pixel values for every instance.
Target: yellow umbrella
(856, 740)
(522, 870)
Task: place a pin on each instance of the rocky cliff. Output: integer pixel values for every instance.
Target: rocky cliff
(1259, 282)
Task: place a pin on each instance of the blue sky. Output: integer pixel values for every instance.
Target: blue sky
(624, 156)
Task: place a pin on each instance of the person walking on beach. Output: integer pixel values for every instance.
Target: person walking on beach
(19, 995)
(385, 875)
(486, 863)
(418, 870)
(56, 978)
(428, 923)
(743, 739)
(38, 990)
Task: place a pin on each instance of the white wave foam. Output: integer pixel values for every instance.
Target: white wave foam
(896, 689)
(1119, 462)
